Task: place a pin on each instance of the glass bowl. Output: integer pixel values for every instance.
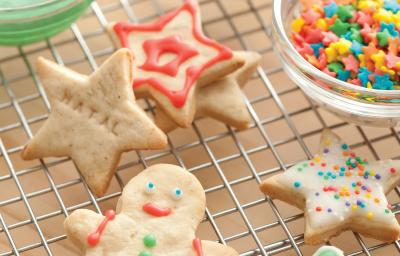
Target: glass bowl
(27, 21)
(353, 103)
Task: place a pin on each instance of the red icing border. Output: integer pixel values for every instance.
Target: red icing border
(178, 98)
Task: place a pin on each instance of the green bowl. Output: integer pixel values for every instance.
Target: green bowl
(27, 21)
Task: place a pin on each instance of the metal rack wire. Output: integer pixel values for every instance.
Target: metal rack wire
(253, 238)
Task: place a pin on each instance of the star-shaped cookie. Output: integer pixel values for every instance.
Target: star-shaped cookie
(157, 215)
(339, 191)
(93, 119)
(223, 100)
(174, 58)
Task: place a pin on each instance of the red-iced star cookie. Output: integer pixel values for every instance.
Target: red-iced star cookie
(174, 58)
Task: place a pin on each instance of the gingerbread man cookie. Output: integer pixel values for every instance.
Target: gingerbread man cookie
(157, 214)
(93, 119)
(339, 191)
(223, 100)
(174, 58)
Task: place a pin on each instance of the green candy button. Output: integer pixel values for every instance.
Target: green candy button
(149, 241)
(328, 253)
(145, 253)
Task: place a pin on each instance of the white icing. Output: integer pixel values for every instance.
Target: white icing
(323, 209)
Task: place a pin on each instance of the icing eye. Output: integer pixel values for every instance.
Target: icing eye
(150, 187)
(177, 193)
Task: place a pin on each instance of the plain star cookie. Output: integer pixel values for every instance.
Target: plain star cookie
(339, 191)
(158, 214)
(223, 100)
(174, 58)
(94, 119)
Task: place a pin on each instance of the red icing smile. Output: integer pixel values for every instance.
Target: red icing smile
(156, 210)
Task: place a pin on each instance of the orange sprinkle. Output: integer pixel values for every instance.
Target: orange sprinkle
(346, 153)
(348, 174)
(377, 200)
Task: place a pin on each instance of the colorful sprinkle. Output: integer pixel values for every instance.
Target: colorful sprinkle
(353, 41)
(296, 184)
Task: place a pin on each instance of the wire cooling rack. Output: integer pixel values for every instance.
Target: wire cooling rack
(36, 196)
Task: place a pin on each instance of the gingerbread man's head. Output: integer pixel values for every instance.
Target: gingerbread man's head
(164, 193)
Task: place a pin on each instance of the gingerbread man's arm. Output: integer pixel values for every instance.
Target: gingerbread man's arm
(80, 224)
(217, 249)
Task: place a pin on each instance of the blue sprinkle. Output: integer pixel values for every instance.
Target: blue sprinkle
(363, 75)
(383, 82)
(356, 48)
(378, 177)
(296, 184)
(341, 174)
(343, 75)
(316, 48)
(391, 5)
(342, 169)
(320, 173)
(354, 184)
(330, 9)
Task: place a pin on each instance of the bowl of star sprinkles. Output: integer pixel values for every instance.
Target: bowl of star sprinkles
(344, 54)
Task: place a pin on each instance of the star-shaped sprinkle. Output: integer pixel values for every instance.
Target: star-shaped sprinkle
(94, 119)
(392, 5)
(343, 75)
(350, 63)
(390, 28)
(363, 75)
(383, 37)
(335, 66)
(379, 59)
(330, 9)
(392, 60)
(310, 16)
(344, 12)
(393, 47)
(223, 101)
(316, 48)
(356, 48)
(336, 188)
(383, 82)
(364, 18)
(174, 92)
(329, 37)
(313, 36)
(339, 27)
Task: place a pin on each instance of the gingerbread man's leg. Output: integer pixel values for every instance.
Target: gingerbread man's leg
(217, 249)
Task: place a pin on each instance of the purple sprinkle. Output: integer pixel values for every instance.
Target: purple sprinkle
(359, 202)
(363, 187)
(317, 193)
(348, 204)
(329, 210)
(326, 150)
(378, 177)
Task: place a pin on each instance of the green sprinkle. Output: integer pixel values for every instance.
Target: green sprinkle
(339, 27)
(387, 211)
(299, 169)
(344, 12)
(336, 196)
(383, 37)
(335, 66)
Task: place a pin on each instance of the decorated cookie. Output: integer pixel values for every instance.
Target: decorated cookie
(328, 251)
(93, 119)
(339, 191)
(223, 100)
(157, 214)
(174, 58)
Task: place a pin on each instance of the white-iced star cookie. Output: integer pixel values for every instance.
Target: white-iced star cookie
(338, 191)
(174, 58)
(94, 119)
(157, 214)
(222, 100)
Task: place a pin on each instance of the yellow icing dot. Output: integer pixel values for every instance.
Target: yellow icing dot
(297, 24)
(370, 215)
